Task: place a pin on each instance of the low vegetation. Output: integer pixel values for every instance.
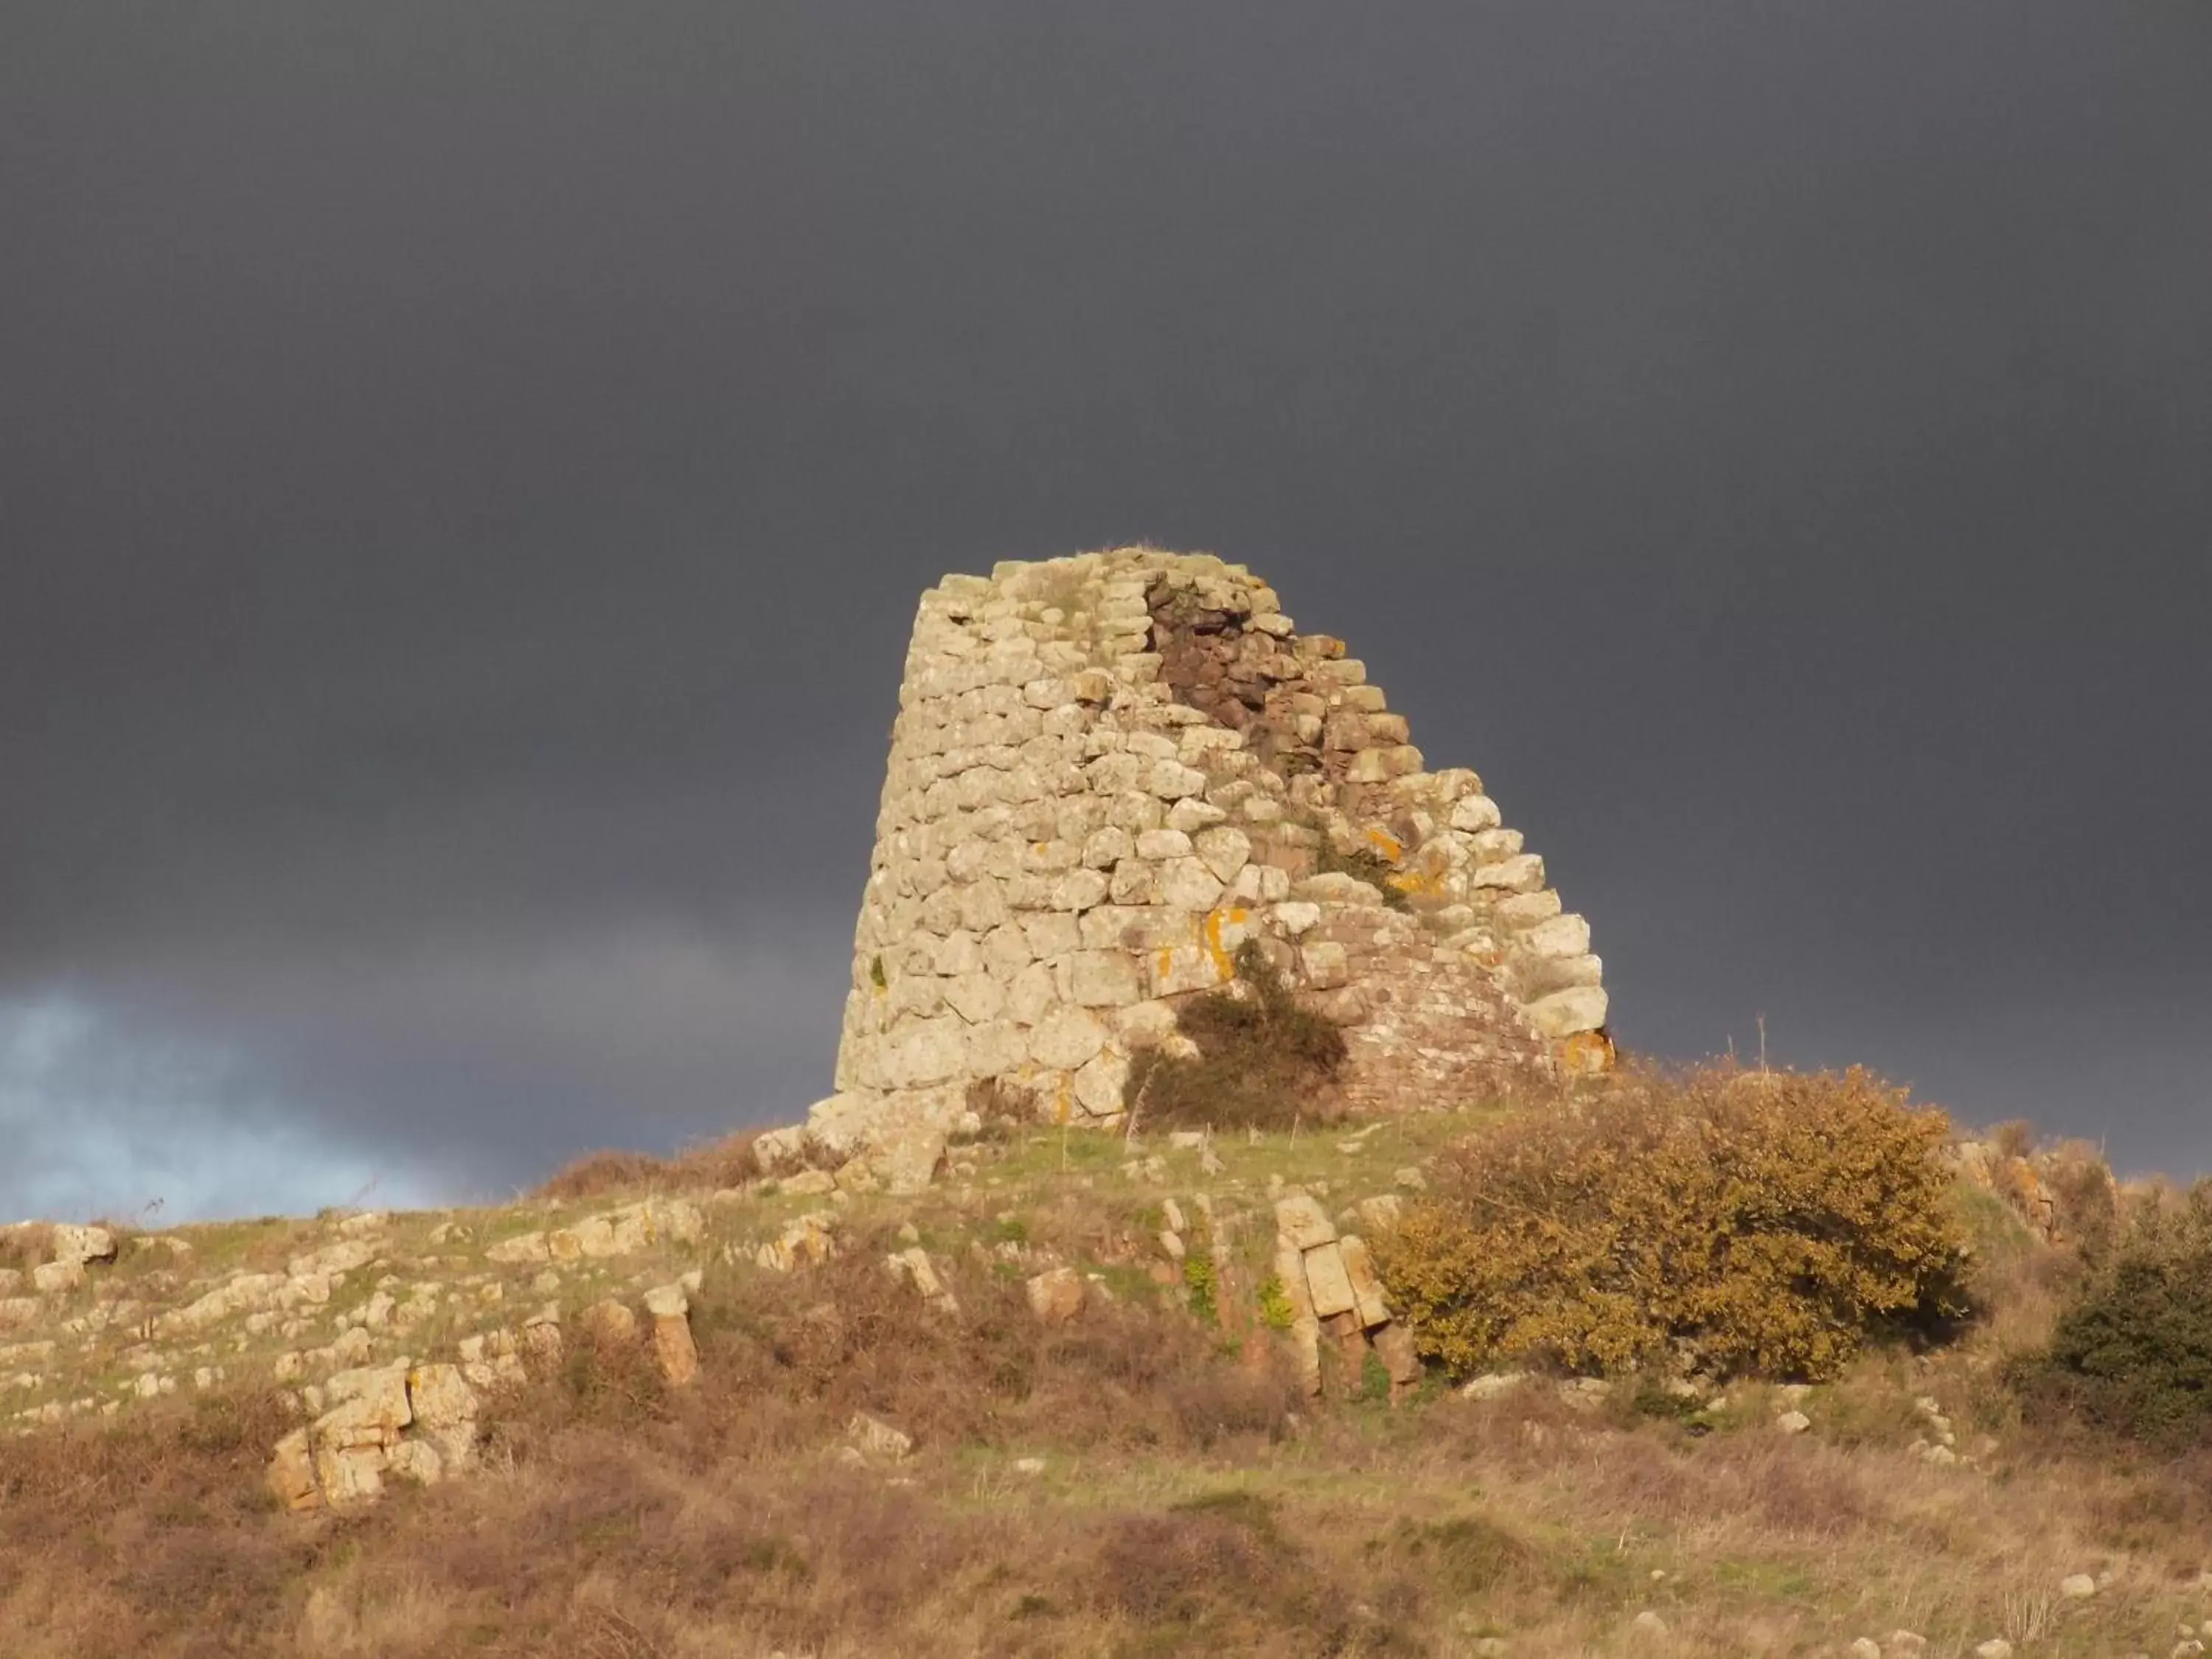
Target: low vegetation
(2132, 1351)
(1258, 1058)
(723, 1162)
(1728, 1222)
(1983, 1415)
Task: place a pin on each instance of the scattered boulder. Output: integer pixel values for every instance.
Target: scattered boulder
(669, 1311)
(70, 1242)
(877, 1440)
(913, 1267)
(1056, 1295)
(420, 1424)
(57, 1278)
(1492, 1385)
(610, 1322)
(807, 1240)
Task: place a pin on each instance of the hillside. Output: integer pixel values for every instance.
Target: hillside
(1051, 1404)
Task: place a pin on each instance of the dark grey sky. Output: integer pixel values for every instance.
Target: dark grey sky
(466, 474)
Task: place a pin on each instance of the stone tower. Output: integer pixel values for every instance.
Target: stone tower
(1109, 772)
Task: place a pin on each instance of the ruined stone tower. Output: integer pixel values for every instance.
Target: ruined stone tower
(1109, 772)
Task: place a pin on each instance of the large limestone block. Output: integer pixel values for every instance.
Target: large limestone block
(1183, 968)
(1327, 1282)
(1078, 890)
(1101, 1083)
(1056, 1295)
(975, 997)
(377, 1395)
(445, 1410)
(1301, 1223)
(1562, 936)
(1521, 873)
(1305, 1327)
(1032, 995)
(1104, 979)
(673, 1347)
(71, 1241)
(1564, 1013)
(341, 1257)
(55, 1278)
(1334, 887)
(1224, 850)
(1186, 883)
(1065, 1038)
(927, 1052)
(1006, 951)
(1052, 934)
(907, 1157)
(1172, 781)
(1325, 963)
(1524, 910)
(1366, 1285)
(998, 1046)
(1138, 927)
(291, 1476)
(839, 1123)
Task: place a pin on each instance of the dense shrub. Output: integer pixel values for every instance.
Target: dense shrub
(2132, 1351)
(1738, 1222)
(1262, 1061)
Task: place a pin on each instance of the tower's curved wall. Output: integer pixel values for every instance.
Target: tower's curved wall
(1109, 772)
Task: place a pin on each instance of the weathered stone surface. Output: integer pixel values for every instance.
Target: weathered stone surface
(69, 1240)
(292, 1473)
(1305, 1328)
(444, 1408)
(610, 1322)
(1106, 769)
(1056, 1295)
(1327, 1282)
(1065, 1038)
(1301, 1223)
(875, 1440)
(1366, 1286)
(1401, 1360)
(1564, 1013)
(669, 1309)
(1105, 979)
(1521, 873)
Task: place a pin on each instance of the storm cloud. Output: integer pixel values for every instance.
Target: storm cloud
(465, 476)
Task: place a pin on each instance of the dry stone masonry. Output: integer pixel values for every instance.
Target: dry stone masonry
(1108, 773)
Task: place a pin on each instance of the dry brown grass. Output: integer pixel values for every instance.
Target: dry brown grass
(728, 1162)
(1190, 1501)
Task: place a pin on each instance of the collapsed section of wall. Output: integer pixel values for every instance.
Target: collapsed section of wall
(1110, 771)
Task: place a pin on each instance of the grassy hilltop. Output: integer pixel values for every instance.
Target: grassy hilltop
(937, 1458)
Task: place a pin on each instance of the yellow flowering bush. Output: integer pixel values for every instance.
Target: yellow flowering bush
(1732, 1221)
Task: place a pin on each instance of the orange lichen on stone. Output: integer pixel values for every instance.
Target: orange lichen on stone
(1587, 1054)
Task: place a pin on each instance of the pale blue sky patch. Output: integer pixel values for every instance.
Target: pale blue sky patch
(99, 1119)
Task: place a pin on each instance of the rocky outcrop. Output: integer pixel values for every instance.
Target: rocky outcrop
(1109, 772)
(1331, 1286)
(418, 1423)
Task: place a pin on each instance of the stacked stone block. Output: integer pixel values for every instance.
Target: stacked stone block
(1109, 772)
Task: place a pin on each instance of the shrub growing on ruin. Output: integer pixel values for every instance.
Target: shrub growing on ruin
(2131, 1353)
(1733, 1222)
(1263, 1060)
